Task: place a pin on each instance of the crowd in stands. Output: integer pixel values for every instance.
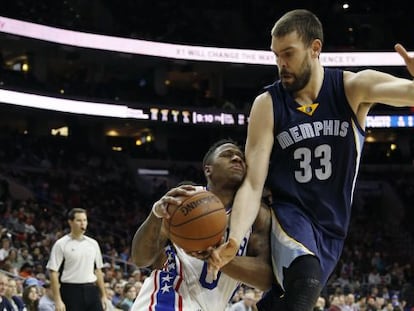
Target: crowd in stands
(375, 272)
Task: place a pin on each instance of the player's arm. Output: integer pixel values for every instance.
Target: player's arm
(372, 86)
(55, 285)
(148, 242)
(246, 204)
(150, 238)
(255, 269)
(367, 87)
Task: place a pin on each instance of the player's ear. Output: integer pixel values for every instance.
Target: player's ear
(316, 47)
(207, 170)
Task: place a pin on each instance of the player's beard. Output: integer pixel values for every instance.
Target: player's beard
(300, 80)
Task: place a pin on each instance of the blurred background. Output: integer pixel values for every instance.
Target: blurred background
(116, 167)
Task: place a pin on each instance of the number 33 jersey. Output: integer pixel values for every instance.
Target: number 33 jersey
(315, 157)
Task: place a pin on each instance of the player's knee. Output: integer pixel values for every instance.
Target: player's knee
(303, 283)
(303, 294)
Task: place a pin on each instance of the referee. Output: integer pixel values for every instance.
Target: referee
(78, 284)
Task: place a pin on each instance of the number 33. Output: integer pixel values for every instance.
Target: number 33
(304, 155)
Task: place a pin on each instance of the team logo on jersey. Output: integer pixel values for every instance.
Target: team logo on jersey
(308, 109)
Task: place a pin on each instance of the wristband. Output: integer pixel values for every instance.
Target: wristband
(154, 212)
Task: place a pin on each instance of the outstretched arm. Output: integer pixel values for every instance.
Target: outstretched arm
(150, 238)
(255, 269)
(246, 204)
(368, 87)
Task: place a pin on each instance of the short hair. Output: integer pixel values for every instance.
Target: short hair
(73, 211)
(127, 287)
(186, 182)
(305, 23)
(210, 151)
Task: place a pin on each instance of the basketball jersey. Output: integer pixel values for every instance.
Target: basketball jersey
(315, 157)
(183, 284)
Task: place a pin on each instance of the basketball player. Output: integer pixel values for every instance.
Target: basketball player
(305, 136)
(180, 281)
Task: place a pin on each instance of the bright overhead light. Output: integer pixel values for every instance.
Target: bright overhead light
(112, 133)
(370, 139)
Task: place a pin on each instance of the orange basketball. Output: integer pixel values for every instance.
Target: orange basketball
(198, 223)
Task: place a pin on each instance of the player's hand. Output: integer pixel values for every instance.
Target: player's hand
(202, 255)
(60, 306)
(409, 60)
(221, 256)
(174, 197)
(205, 254)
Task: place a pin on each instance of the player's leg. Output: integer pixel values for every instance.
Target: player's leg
(272, 300)
(293, 245)
(302, 283)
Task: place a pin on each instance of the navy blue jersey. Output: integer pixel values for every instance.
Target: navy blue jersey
(315, 156)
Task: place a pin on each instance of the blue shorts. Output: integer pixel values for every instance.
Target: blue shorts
(294, 235)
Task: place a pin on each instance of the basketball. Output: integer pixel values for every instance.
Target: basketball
(198, 223)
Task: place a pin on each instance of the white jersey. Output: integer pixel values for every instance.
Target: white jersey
(81, 258)
(183, 285)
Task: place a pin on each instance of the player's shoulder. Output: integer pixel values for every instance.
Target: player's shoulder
(263, 97)
(360, 76)
(263, 104)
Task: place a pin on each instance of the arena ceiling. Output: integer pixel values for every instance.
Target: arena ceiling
(362, 26)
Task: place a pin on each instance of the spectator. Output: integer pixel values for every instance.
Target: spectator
(350, 304)
(246, 304)
(129, 293)
(374, 277)
(371, 304)
(12, 260)
(14, 298)
(137, 275)
(31, 297)
(385, 293)
(46, 302)
(26, 270)
(335, 304)
(109, 295)
(5, 304)
(5, 248)
(24, 257)
(117, 297)
(320, 304)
